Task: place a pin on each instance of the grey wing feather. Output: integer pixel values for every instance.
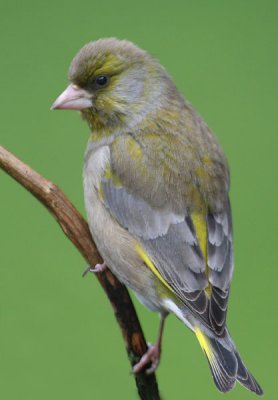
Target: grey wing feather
(169, 239)
(136, 215)
(220, 262)
(171, 242)
(220, 248)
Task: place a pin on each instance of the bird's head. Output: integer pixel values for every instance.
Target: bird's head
(112, 83)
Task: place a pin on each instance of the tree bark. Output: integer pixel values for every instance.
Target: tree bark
(76, 229)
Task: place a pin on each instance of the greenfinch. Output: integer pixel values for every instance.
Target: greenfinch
(156, 186)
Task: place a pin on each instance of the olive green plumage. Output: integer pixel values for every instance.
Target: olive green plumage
(156, 188)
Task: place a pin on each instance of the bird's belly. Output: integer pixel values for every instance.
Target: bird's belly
(115, 244)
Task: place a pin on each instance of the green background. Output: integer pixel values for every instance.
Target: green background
(58, 336)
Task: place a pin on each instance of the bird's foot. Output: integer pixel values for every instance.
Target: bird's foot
(97, 269)
(151, 356)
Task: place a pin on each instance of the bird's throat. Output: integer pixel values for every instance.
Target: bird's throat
(101, 123)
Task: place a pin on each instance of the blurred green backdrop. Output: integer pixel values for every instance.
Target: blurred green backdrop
(58, 336)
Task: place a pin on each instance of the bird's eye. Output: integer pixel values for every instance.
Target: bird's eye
(101, 80)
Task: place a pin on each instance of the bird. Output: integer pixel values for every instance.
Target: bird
(156, 189)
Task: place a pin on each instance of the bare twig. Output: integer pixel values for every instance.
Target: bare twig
(76, 229)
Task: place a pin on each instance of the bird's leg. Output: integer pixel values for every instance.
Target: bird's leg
(97, 268)
(153, 353)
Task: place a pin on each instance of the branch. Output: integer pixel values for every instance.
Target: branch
(76, 229)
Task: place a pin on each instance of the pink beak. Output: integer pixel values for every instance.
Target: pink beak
(73, 98)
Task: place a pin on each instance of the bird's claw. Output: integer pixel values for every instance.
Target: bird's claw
(152, 356)
(97, 269)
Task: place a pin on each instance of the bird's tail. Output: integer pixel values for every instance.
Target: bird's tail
(225, 363)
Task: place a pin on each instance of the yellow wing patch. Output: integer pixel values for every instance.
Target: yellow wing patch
(200, 224)
(144, 256)
(204, 343)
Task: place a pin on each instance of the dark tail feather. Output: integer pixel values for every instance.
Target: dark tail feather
(225, 364)
(245, 378)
